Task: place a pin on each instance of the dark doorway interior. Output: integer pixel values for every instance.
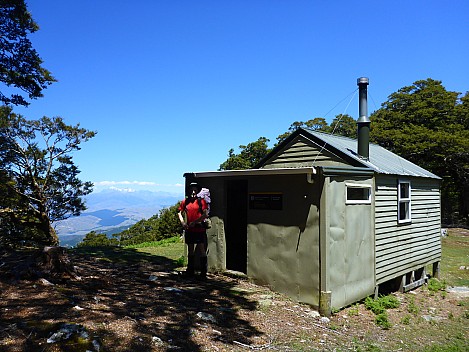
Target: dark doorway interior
(236, 225)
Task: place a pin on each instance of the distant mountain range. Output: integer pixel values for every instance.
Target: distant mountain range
(112, 211)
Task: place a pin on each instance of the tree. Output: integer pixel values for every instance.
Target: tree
(316, 124)
(43, 183)
(344, 125)
(168, 222)
(95, 239)
(160, 226)
(20, 65)
(249, 156)
(428, 125)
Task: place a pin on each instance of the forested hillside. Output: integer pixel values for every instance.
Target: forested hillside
(163, 225)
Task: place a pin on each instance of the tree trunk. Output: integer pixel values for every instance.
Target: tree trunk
(464, 203)
(48, 230)
(55, 261)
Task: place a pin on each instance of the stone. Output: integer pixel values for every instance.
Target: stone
(325, 320)
(313, 314)
(206, 317)
(432, 318)
(264, 303)
(45, 282)
(157, 341)
(66, 331)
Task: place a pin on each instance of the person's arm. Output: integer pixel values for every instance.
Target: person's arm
(181, 219)
(181, 216)
(200, 218)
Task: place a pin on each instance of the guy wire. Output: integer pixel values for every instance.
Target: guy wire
(337, 124)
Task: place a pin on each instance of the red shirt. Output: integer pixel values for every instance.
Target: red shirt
(192, 210)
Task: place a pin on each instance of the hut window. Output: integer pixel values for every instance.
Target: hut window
(358, 194)
(403, 196)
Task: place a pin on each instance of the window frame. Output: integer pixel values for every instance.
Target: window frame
(404, 200)
(358, 201)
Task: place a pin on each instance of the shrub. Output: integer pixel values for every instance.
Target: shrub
(383, 321)
(412, 307)
(378, 306)
(435, 285)
(406, 320)
(382, 303)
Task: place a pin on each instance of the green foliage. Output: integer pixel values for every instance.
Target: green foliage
(161, 226)
(406, 320)
(382, 303)
(164, 242)
(412, 307)
(435, 285)
(429, 126)
(379, 306)
(41, 181)
(455, 346)
(20, 65)
(316, 124)
(344, 125)
(354, 310)
(382, 321)
(168, 223)
(94, 239)
(374, 305)
(367, 347)
(181, 261)
(249, 156)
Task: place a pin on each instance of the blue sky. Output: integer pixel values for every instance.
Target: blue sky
(171, 85)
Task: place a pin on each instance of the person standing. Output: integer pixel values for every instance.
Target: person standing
(192, 213)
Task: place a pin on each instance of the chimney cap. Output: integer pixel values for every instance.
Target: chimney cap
(363, 80)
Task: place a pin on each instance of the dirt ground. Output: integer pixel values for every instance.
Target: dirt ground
(141, 303)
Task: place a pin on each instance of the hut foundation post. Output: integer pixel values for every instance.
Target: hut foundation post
(436, 270)
(403, 283)
(325, 308)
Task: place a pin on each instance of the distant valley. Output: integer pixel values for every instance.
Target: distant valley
(112, 211)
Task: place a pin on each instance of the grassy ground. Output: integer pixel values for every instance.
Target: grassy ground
(455, 253)
(172, 248)
(133, 299)
(415, 319)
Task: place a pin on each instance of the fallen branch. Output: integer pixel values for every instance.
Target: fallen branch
(326, 328)
(254, 347)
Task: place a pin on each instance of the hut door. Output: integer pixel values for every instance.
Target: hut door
(236, 225)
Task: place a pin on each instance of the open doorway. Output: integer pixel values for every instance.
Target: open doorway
(236, 225)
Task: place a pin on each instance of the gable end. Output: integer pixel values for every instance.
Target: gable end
(300, 151)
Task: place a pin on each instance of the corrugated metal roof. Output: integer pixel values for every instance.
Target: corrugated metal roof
(381, 160)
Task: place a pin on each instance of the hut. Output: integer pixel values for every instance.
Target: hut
(326, 219)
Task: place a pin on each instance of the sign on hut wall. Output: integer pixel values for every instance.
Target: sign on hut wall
(265, 201)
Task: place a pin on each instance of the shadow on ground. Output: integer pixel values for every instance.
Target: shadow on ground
(126, 301)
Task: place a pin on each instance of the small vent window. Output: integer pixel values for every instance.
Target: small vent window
(403, 196)
(358, 194)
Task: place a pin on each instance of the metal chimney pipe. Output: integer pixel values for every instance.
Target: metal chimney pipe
(363, 122)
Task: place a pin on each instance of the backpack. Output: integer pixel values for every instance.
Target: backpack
(203, 194)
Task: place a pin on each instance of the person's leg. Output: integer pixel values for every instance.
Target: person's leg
(190, 259)
(201, 251)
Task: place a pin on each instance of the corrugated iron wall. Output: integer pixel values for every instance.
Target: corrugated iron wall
(350, 263)
(401, 248)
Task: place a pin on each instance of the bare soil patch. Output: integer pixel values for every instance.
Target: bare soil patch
(128, 301)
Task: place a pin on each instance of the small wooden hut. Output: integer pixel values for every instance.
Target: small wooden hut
(323, 223)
